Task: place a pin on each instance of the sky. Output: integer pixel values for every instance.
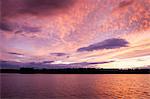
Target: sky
(79, 33)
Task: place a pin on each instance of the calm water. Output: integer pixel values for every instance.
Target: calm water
(75, 86)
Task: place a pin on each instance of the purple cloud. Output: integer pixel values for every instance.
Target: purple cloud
(35, 7)
(112, 43)
(58, 54)
(5, 27)
(47, 62)
(125, 3)
(13, 53)
(104, 62)
(30, 29)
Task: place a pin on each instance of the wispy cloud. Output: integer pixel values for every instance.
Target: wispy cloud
(104, 62)
(30, 29)
(81, 63)
(13, 53)
(58, 54)
(45, 62)
(112, 43)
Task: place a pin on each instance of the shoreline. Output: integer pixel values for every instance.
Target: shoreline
(75, 71)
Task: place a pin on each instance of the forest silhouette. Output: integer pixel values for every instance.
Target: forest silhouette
(76, 71)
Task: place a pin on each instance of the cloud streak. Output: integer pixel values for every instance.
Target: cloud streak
(30, 29)
(104, 62)
(58, 54)
(112, 43)
(13, 53)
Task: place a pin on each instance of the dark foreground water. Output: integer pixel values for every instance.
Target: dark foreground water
(75, 86)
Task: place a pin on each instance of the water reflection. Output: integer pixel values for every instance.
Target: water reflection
(75, 86)
(124, 86)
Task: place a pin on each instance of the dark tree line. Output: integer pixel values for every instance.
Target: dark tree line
(76, 71)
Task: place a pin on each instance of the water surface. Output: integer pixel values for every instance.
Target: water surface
(75, 86)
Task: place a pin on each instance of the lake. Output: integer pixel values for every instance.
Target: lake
(75, 86)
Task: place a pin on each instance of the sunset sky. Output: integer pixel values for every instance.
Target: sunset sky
(86, 33)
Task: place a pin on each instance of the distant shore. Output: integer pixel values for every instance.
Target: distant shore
(75, 71)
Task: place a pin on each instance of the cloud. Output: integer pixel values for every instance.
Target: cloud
(35, 7)
(30, 29)
(112, 43)
(47, 62)
(58, 54)
(18, 28)
(125, 3)
(61, 64)
(5, 27)
(82, 64)
(14, 53)
(9, 26)
(52, 4)
(104, 62)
